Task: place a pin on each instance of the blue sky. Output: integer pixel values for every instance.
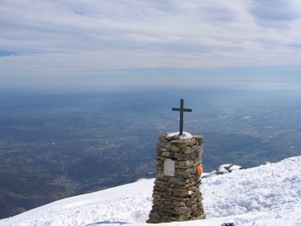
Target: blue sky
(93, 44)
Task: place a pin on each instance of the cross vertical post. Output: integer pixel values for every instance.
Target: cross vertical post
(181, 110)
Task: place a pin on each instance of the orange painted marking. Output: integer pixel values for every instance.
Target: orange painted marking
(200, 169)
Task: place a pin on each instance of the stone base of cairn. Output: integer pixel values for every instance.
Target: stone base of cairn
(176, 194)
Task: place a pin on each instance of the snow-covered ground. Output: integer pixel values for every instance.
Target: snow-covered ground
(265, 195)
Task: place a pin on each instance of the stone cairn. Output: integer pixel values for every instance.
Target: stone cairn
(176, 193)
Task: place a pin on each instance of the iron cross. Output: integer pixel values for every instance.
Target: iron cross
(181, 110)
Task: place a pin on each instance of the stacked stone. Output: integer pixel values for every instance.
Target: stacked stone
(176, 194)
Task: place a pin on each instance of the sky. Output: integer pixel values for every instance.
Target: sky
(98, 44)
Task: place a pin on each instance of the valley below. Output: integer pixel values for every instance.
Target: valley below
(59, 145)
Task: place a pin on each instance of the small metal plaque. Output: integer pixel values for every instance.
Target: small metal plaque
(169, 167)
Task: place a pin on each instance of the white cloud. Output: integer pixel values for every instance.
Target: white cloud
(63, 37)
(276, 12)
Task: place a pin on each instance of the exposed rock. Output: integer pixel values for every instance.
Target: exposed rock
(223, 169)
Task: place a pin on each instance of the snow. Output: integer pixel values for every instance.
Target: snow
(265, 195)
(223, 169)
(184, 136)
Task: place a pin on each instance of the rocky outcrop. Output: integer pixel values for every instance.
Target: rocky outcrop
(176, 194)
(223, 169)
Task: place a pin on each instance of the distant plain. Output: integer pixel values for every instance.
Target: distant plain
(58, 145)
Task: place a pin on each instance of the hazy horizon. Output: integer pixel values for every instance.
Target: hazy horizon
(81, 45)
